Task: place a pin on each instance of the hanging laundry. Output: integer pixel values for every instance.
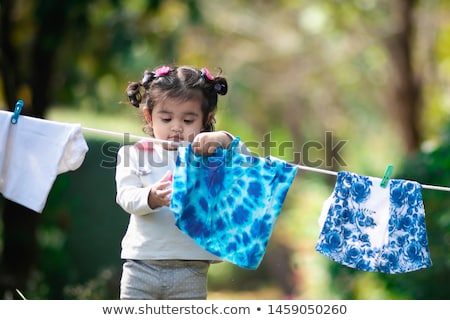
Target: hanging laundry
(371, 228)
(229, 202)
(33, 152)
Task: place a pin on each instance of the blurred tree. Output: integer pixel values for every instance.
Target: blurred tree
(28, 66)
(406, 87)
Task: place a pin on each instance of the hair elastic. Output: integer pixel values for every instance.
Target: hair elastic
(162, 71)
(205, 74)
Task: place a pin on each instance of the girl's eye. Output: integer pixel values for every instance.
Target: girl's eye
(188, 121)
(166, 119)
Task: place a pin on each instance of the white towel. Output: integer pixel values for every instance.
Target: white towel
(33, 152)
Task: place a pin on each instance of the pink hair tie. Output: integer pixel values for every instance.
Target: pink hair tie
(162, 71)
(205, 73)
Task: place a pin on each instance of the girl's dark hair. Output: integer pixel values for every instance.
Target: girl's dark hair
(184, 83)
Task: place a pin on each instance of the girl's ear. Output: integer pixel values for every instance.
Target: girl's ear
(147, 115)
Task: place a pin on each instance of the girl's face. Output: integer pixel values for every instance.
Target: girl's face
(176, 120)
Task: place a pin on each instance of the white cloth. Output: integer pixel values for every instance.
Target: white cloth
(151, 233)
(33, 152)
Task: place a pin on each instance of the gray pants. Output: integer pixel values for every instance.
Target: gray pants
(164, 280)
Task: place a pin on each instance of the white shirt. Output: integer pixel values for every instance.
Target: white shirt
(151, 233)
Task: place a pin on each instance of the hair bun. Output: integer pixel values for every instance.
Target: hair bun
(221, 86)
(134, 94)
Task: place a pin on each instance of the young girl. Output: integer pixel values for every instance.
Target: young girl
(179, 105)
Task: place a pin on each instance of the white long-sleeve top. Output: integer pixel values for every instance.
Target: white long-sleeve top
(151, 233)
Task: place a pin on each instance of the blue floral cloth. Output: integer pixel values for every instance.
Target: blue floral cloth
(229, 202)
(367, 227)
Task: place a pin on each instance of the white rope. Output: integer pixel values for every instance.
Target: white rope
(439, 188)
(333, 173)
(132, 136)
(306, 168)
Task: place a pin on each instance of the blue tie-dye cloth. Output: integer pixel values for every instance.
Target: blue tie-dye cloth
(229, 202)
(367, 227)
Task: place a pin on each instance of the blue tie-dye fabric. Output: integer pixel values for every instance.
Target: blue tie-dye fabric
(229, 202)
(371, 228)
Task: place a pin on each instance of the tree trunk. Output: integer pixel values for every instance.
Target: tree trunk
(405, 96)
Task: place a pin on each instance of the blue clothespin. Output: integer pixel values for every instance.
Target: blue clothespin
(17, 111)
(387, 175)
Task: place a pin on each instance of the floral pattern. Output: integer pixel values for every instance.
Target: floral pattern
(375, 229)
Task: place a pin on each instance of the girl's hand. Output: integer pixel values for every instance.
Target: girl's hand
(161, 193)
(207, 142)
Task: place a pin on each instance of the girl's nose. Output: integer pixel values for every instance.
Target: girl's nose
(177, 128)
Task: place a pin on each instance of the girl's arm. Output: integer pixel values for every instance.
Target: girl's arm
(132, 195)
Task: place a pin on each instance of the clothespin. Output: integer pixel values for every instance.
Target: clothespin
(387, 175)
(17, 111)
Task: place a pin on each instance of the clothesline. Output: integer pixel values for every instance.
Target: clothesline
(302, 167)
